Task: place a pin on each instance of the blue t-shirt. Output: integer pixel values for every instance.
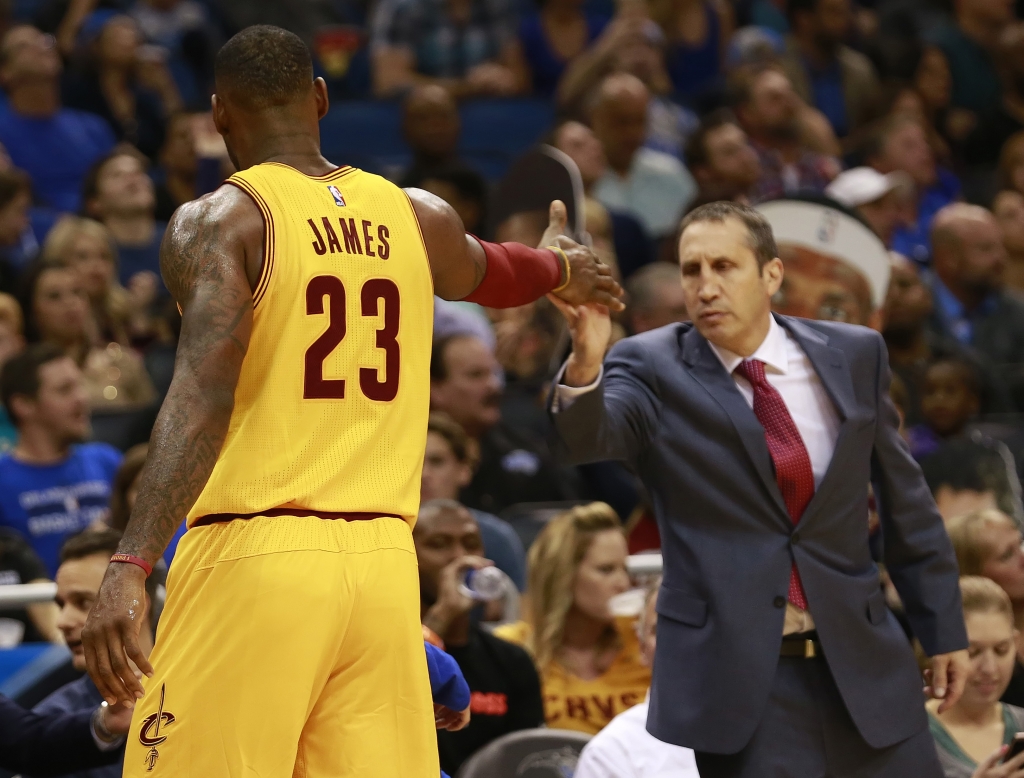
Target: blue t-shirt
(49, 503)
(829, 98)
(914, 241)
(546, 66)
(135, 259)
(56, 152)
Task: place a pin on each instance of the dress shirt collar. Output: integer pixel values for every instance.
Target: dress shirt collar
(772, 351)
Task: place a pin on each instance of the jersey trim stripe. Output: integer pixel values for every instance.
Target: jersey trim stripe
(338, 172)
(268, 238)
(423, 243)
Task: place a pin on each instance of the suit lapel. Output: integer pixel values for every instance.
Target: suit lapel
(708, 371)
(834, 371)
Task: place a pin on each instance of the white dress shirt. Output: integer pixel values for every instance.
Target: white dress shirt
(625, 749)
(791, 373)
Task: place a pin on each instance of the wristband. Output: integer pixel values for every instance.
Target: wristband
(516, 275)
(133, 560)
(565, 263)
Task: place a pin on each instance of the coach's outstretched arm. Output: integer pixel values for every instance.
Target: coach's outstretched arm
(210, 255)
(506, 275)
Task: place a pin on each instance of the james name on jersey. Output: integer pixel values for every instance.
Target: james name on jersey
(326, 238)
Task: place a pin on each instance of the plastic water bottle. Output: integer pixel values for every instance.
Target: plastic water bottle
(483, 585)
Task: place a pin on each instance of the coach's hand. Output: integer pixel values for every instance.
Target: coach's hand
(947, 677)
(590, 280)
(591, 329)
(111, 635)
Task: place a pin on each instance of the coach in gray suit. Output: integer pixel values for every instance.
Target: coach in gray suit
(757, 436)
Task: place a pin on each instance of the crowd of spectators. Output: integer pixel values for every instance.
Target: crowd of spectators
(908, 117)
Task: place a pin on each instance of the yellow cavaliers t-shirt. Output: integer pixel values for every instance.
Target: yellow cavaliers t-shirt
(571, 702)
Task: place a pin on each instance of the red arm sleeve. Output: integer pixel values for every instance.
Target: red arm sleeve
(516, 275)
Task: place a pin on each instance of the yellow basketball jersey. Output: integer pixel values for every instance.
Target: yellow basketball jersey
(331, 406)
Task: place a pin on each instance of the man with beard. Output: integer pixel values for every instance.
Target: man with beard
(768, 110)
(971, 303)
(465, 383)
(722, 160)
(827, 74)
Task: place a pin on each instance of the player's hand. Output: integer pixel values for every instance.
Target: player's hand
(451, 720)
(947, 677)
(451, 602)
(111, 635)
(590, 280)
(591, 329)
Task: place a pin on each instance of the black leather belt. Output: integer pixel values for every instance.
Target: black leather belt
(804, 645)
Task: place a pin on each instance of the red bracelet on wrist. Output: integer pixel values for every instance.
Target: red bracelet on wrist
(133, 560)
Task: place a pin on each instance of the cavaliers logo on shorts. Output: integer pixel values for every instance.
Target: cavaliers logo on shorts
(150, 735)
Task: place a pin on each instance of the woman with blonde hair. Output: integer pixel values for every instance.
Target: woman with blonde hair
(973, 735)
(589, 660)
(88, 246)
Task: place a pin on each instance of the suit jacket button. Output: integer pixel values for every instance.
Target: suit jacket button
(779, 602)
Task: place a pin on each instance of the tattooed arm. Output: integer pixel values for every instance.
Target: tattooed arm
(210, 259)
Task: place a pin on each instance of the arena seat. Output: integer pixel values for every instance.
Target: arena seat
(529, 753)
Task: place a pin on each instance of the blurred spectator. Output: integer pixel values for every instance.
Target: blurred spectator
(18, 244)
(932, 85)
(649, 185)
(988, 543)
(19, 564)
(1011, 163)
(88, 247)
(54, 145)
(448, 468)
(184, 29)
(550, 38)
(654, 297)
(1008, 208)
(971, 735)
(12, 341)
(505, 690)
(950, 398)
(84, 561)
(913, 346)
(589, 660)
(119, 193)
(466, 46)
(824, 71)
(178, 167)
(52, 485)
(126, 83)
(625, 749)
(971, 304)
(463, 189)
(576, 140)
(901, 144)
(879, 199)
(993, 128)
(58, 310)
(431, 127)
(697, 32)
(722, 159)
(513, 467)
(969, 43)
(769, 111)
(972, 473)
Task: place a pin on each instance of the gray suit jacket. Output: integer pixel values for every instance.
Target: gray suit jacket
(667, 406)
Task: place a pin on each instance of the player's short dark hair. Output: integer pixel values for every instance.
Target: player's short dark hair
(20, 374)
(760, 236)
(264, 66)
(697, 145)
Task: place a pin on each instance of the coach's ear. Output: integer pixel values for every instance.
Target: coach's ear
(322, 101)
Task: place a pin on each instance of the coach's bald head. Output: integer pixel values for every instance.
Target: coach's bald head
(265, 90)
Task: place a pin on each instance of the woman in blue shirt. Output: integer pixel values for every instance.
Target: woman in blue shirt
(696, 31)
(550, 38)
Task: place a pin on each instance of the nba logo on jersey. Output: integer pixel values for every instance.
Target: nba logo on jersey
(336, 194)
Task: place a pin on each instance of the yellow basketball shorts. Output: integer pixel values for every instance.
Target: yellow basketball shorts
(289, 647)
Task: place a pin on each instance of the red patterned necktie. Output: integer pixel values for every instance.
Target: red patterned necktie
(792, 464)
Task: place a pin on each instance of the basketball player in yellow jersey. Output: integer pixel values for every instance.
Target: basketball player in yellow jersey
(292, 437)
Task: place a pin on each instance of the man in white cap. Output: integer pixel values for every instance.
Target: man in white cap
(879, 198)
(836, 268)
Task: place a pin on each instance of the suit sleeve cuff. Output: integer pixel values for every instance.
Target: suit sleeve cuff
(101, 744)
(564, 396)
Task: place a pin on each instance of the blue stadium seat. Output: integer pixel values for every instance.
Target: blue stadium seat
(495, 132)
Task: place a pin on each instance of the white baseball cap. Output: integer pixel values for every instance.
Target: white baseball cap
(829, 231)
(861, 185)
